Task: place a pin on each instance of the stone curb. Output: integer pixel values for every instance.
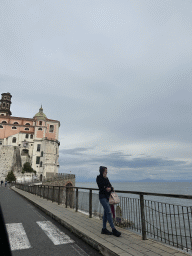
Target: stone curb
(96, 245)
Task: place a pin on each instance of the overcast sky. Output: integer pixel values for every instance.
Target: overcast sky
(116, 74)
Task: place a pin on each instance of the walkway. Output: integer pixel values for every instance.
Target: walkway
(89, 229)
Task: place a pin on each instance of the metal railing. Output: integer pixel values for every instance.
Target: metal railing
(166, 222)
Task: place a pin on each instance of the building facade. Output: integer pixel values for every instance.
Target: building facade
(36, 138)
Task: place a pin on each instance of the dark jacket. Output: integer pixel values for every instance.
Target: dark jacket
(103, 183)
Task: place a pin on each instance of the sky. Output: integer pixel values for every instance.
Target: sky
(116, 74)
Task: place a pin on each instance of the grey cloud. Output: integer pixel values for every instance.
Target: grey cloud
(74, 151)
(115, 160)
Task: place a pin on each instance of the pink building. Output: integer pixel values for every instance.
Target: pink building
(36, 138)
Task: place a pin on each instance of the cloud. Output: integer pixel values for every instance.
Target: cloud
(74, 151)
(121, 166)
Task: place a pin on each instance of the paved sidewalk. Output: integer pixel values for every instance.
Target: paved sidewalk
(89, 229)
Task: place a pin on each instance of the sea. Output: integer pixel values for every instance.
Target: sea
(179, 188)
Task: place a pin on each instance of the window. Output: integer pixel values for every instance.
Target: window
(41, 163)
(3, 104)
(31, 136)
(38, 147)
(2, 114)
(1, 143)
(40, 129)
(40, 122)
(41, 153)
(15, 123)
(26, 129)
(1, 126)
(14, 128)
(51, 128)
(27, 136)
(14, 140)
(37, 159)
(25, 152)
(4, 122)
(27, 124)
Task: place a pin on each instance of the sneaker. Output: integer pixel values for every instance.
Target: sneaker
(115, 232)
(105, 231)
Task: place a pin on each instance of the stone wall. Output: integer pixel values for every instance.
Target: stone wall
(60, 179)
(10, 159)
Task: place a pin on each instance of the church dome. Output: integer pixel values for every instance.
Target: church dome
(40, 114)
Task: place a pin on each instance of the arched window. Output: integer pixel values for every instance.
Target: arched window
(40, 129)
(14, 128)
(41, 164)
(15, 123)
(26, 129)
(31, 136)
(4, 122)
(1, 126)
(14, 140)
(2, 114)
(40, 122)
(27, 136)
(27, 124)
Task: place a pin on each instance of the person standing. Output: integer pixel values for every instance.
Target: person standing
(1, 183)
(5, 183)
(105, 190)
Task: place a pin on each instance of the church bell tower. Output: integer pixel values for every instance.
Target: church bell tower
(5, 104)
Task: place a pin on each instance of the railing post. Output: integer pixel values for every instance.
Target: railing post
(59, 195)
(76, 199)
(44, 192)
(40, 190)
(53, 195)
(144, 236)
(90, 203)
(66, 197)
(48, 193)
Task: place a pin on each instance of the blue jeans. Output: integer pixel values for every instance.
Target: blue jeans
(107, 213)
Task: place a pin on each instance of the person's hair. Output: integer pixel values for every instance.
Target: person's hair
(102, 169)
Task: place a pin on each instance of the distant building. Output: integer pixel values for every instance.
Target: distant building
(33, 140)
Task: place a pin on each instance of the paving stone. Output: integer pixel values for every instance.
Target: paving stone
(150, 253)
(125, 254)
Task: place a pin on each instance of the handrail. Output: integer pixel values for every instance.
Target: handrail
(135, 192)
(125, 191)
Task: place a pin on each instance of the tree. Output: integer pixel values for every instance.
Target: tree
(27, 168)
(11, 176)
